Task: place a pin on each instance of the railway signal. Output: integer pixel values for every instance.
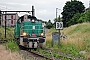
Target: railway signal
(59, 25)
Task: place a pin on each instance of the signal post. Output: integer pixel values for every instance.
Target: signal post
(59, 26)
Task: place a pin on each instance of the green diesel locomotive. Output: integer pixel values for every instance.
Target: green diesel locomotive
(30, 32)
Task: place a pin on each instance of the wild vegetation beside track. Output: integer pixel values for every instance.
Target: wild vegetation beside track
(77, 42)
(11, 49)
(11, 44)
(9, 33)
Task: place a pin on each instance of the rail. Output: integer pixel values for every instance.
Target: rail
(3, 41)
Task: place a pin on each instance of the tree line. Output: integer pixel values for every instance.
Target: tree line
(73, 13)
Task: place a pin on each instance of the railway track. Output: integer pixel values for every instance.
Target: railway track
(54, 56)
(48, 54)
(69, 56)
(39, 55)
(34, 52)
(3, 41)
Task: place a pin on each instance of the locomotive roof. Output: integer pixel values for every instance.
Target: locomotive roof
(29, 16)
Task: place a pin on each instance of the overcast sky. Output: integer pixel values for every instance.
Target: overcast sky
(44, 9)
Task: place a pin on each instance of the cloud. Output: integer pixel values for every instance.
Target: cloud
(24, 4)
(4, 7)
(14, 3)
(44, 9)
(43, 12)
(11, 3)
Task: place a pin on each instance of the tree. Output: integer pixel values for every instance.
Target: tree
(41, 20)
(49, 24)
(74, 19)
(82, 18)
(72, 7)
(57, 19)
(85, 17)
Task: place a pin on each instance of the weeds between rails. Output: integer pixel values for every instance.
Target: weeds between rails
(57, 55)
(33, 52)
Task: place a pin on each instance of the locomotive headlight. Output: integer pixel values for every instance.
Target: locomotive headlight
(32, 20)
(42, 34)
(24, 34)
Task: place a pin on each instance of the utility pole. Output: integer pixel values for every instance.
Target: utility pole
(58, 29)
(5, 23)
(59, 34)
(0, 16)
(56, 14)
(89, 4)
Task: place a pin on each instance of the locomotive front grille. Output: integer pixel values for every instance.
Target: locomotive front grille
(33, 43)
(32, 40)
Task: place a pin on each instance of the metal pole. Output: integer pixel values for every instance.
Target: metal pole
(5, 24)
(55, 25)
(56, 14)
(0, 17)
(59, 34)
(89, 4)
(33, 11)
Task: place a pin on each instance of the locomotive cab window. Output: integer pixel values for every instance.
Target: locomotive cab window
(29, 19)
(19, 20)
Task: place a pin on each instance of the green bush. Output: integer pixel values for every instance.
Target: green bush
(87, 45)
(12, 45)
(48, 43)
(71, 49)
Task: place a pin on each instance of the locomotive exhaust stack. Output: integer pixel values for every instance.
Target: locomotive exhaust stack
(33, 11)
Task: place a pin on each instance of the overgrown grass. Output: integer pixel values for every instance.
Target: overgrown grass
(51, 54)
(49, 34)
(9, 33)
(78, 39)
(12, 45)
(67, 49)
(48, 43)
(70, 49)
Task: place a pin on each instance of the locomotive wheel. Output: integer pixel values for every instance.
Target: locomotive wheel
(35, 49)
(17, 41)
(41, 45)
(21, 47)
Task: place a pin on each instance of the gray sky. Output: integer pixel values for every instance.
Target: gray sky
(44, 9)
